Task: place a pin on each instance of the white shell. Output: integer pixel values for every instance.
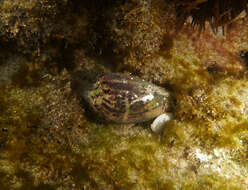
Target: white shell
(159, 123)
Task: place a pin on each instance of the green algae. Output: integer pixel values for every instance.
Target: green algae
(215, 182)
(47, 142)
(166, 47)
(28, 75)
(4, 180)
(19, 118)
(231, 135)
(80, 174)
(3, 100)
(138, 155)
(114, 156)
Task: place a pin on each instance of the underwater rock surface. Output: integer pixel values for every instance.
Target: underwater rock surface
(47, 140)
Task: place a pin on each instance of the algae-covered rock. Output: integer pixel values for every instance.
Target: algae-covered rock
(33, 26)
(50, 140)
(139, 27)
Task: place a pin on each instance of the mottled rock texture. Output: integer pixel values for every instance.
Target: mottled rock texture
(50, 140)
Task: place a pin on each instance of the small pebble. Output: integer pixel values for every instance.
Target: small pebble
(159, 123)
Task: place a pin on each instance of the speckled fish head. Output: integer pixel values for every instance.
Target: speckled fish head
(126, 99)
